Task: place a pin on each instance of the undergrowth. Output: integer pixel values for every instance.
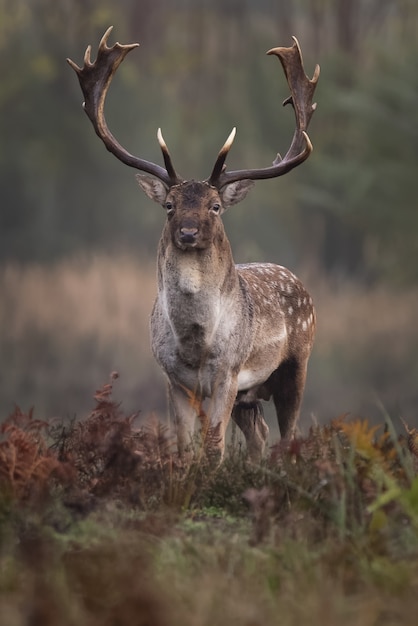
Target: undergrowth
(101, 522)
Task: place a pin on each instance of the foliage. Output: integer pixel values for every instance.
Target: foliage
(101, 522)
(26, 463)
(349, 209)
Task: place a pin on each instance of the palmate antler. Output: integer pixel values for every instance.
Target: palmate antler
(96, 77)
(302, 90)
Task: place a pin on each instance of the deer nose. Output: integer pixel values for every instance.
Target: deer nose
(188, 234)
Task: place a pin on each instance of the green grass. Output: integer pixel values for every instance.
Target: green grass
(102, 524)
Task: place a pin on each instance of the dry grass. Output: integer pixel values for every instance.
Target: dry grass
(64, 327)
(354, 315)
(79, 297)
(117, 530)
(102, 523)
(365, 353)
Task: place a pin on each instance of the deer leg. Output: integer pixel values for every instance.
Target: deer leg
(287, 384)
(219, 413)
(249, 417)
(183, 413)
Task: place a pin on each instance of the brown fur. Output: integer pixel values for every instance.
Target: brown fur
(231, 334)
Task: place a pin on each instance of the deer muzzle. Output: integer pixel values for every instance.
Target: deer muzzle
(188, 235)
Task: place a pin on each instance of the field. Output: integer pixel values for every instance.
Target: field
(65, 327)
(102, 524)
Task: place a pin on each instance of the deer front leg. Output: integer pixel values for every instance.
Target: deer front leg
(183, 414)
(186, 405)
(219, 412)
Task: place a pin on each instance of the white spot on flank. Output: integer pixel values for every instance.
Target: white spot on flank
(299, 302)
(289, 288)
(290, 310)
(298, 321)
(304, 325)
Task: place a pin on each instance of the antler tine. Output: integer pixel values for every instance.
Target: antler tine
(95, 79)
(167, 157)
(302, 90)
(220, 161)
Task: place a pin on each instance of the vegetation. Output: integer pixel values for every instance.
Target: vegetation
(200, 70)
(102, 523)
(64, 326)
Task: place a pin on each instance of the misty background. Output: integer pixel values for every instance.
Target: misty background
(78, 239)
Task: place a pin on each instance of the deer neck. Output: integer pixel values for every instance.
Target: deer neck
(198, 294)
(195, 272)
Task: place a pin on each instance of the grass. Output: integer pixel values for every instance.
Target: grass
(102, 523)
(84, 314)
(91, 315)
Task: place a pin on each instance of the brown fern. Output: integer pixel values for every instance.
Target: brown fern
(114, 457)
(411, 439)
(27, 464)
(90, 444)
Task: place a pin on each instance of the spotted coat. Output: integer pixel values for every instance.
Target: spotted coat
(227, 336)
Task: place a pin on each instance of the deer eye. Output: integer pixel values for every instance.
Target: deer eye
(216, 207)
(169, 207)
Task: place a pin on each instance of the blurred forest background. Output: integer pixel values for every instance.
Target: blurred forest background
(78, 240)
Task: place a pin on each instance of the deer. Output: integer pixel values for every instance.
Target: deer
(227, 336)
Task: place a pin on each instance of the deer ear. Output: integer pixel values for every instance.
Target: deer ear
(154, 188)
(235, 192)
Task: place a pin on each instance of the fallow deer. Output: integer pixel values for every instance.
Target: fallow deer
(230, 334)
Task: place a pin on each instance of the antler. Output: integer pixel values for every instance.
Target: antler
(301, 89)
(95, 79)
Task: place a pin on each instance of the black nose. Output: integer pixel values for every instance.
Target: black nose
(188, 235)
